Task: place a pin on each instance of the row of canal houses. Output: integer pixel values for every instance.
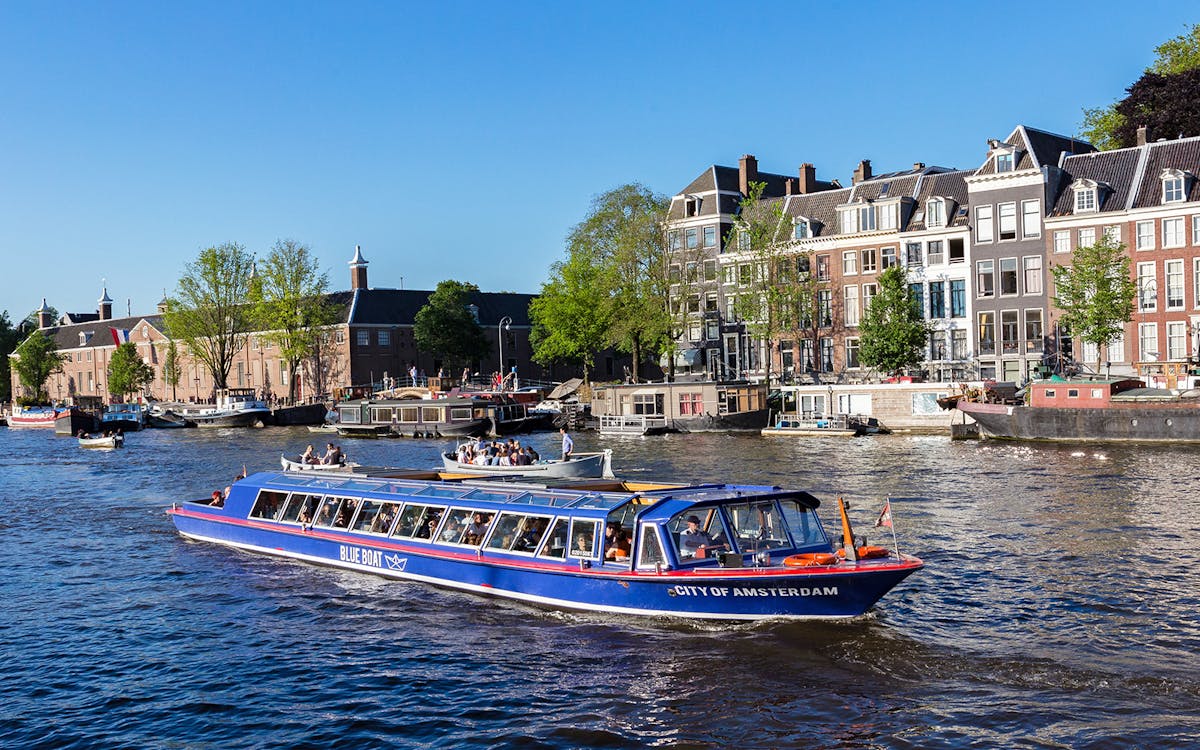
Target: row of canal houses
(977, 247)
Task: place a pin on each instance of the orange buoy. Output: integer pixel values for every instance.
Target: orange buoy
(809, 559)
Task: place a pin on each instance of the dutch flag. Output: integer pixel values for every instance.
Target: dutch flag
(120, 336)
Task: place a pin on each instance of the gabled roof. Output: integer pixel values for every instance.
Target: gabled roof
(400, 306)
(949, 185)
(1038, 149)
(1182, 153)
(67, 336)
(726, 180)
(1117, 169)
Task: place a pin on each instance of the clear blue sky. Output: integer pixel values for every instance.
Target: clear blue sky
(463, 140)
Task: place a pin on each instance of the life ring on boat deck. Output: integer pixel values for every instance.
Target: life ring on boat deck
(809, 559)
(866, 552)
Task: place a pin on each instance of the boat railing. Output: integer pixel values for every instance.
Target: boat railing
(630, 424)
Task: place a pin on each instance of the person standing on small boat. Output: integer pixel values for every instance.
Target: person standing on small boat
(568, 445)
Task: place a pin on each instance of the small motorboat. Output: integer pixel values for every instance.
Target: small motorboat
(103, 441)
(578, 466)
(343, 467)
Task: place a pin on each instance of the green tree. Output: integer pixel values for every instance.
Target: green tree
(446, 327)
(624, 233)
(571, 313)
(1095, 293)
(210, 312)
(803, 312)
(1162, 99)
(127, 373)
(765, 301)
(36, 359)
(31, 320)
(290, 305)
(172, 367)
(9, 338)
(892, 335)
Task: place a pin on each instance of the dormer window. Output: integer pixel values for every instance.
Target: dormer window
(1087, 195)
(1003, 154)
(1175, 185)
(1004, 162)
(743, 241)
(691, 206)
(802, 230)
(935, 213)
(82, 338)
(866, 218)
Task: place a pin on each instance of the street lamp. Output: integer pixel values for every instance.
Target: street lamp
(501, 327)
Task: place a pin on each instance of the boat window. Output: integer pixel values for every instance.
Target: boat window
(408, 413)
(701, 539)
(518, 533)
(650, 553)
(329, 512)
(1049, 393)
(556, 544)
(584, 537)
(348, 415)
(1072, 393)
(455, 528)
(460, 413)
(756, 526)
(495, 497)
(432, 491)
(367, 514)
(345, 514)
(410, 520)
(802, 521)
(300, 508)
(381, 414)
(427, 528)
(268, 504)
(431, 414)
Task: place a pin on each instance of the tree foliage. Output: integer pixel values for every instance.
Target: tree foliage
(446, 327)
(37, 358)
(1096, 293)
(571, 314)
(1162, 99)
(892, 334)
(290, 306)
(624, 233)
(209, 311)
(172, 367)
(9, 338)
(127, 372)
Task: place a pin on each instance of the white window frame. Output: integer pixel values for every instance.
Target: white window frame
(1112, 232)
(935, 212)
(1173, 271)
(1087, 237)
(850, 263)
(984, 228)
(981, 290)
(1147, 287)
(850, 308)
(1031, 218)
(1086, 200)
(1145, 235)
(1176, 340)
(1031, 272)
(1148, 342)
(1006, 215)
(1062, 241)
(1174, 189)
(1173, 232)
(870, 254)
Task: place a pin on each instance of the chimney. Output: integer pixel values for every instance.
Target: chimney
(918, 166)
(789, 186)
(358, 270)
(1142, 137)
(808, 178)
(105, 306)
(862, 172)
(747, 173)
(43, 315)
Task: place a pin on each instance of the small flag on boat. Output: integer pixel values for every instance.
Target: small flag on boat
(120, 336)
(885, 515)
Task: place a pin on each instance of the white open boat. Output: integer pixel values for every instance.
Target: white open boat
(111, 441)
(578, 466)
(344, 467)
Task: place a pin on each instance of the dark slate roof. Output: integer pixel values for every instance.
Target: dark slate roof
(1038, 148)
(69, 318)
(67, 336)
(949, 185)
(1182, 153)
(1117, 169)
(894, 185)
(726, 179)
(818, 207)
(400, 306)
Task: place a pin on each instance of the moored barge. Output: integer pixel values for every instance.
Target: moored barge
(713, 551)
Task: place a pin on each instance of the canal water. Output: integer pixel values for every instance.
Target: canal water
(1058, 608)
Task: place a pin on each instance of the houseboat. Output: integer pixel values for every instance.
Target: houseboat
(715, 551)
(125, 417)
(813, 425)
(1100, 409)
(415, 417)
(33, 416)
(680, 406)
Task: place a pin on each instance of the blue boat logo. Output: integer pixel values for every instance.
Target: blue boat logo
(395, 562)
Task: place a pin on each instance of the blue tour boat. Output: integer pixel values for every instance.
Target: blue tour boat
(712, 551)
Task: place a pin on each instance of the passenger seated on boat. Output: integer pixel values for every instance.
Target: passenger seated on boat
(694, 540)
(534, 457)
(583, 545)
(218, 500)
(426, 531)
(616, 543)
(478, 526)
(309, 457)
(344, 514)
(528, 540)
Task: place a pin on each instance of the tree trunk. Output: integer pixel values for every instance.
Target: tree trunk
(637, 356)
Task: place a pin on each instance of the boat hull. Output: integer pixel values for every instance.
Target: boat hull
(581, 466)
(249, 418)
(101, 442)
(746, 420)
(71, 421)
(1115, 424)
(830, 592)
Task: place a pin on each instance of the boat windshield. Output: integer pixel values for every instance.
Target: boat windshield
(803, 523)
(757, 525)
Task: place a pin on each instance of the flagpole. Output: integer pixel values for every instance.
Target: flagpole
(892, 518)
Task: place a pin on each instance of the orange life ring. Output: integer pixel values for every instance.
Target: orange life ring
(866, 553)
(809, 559)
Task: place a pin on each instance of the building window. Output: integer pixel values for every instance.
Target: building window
(824, 308)
(1033, 274)
(822, 268)
(384, 338)
(1085, 200)
(1062, 242)
(340, 336)
(1145, 235)
(933, 252)
(1177, 340)
(987, 333)
(690, 238)
(745, 274)
(1087, 237)
(691, 207)
(1009, 333)
(850, 304)
(1004, 162)
(1033, 330)
(694, 331)
(912, 254)
(691, 272)
(710, 302)
(693, 303)
(674, 274)
(1196, 283)
(1172, 232)
(710, 236)
(868, 293)
(800, 231)
(673, 239)
(364, 338)
(1008, 221)
(852, 353)
(935, 213)
(691, 404)
(1147, 284)
(983, 224)
(1112, 233)
(1147, 342)
(937, 345)
(1173, 189)
(826, 355)
(1174, 274)
(887, 257)
(869, 263)
(958, 343)
(849, 262)
(958, 298)
(1031, 219)
(986, 275)
(743, 241)
(710, 270)
(866, 219)
(916, 295)
(1008, 276)
(937, 299)
(1196, 229)
(958, 250)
